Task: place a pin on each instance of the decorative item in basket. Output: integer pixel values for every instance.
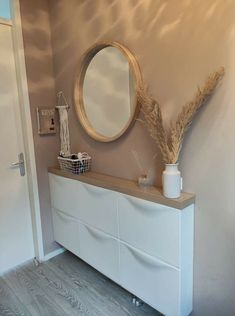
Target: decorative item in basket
(76, 163)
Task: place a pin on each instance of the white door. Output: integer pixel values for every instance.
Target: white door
(16, 238)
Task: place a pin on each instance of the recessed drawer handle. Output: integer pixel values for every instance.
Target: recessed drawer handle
(95, 233)
(95, 190)
(146, 259)
(143, 206)
(65, 217)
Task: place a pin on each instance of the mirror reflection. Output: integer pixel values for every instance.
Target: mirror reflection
(109, 92)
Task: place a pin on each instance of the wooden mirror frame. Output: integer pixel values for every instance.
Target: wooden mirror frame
(78, 89)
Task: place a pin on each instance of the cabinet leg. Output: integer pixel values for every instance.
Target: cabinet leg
(36, 262)
(136, 301)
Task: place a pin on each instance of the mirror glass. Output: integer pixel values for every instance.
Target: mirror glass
(108, 92)
(107, 99)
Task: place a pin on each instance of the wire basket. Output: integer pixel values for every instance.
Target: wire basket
(77, 166)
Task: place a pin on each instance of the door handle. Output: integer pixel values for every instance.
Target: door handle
(20, 163)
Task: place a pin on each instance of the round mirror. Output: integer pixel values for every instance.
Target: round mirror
(105, 91)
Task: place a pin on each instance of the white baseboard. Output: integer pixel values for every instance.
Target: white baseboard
(45, 258)
(53, 254)
(21, 264)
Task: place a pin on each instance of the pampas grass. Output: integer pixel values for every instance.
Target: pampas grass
(170, 142)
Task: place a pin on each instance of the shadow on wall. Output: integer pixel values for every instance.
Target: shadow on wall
(177, 44)
(163, 27)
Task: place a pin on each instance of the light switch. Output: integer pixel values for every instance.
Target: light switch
(46, 121)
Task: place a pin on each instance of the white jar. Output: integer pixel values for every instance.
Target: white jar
(172, 182)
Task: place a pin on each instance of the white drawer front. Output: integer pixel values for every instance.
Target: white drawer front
(65, 194)
(66, 231)
(151, 227)
(98, 207)
(151, 280)
(100, 251)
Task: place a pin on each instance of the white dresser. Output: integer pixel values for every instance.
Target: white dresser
(136, 237)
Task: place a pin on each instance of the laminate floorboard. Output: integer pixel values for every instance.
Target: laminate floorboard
(64, 285)
(10, 305)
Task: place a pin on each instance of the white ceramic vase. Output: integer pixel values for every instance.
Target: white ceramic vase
(172, 182)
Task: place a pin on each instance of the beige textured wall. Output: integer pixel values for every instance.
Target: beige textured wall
(177, 43)
(41, 85)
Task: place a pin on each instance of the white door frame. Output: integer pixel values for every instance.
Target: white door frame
(27, 128)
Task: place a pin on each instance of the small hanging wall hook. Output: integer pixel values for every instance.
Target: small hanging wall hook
(62, 101)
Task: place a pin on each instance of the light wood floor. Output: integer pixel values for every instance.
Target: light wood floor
(64, 285)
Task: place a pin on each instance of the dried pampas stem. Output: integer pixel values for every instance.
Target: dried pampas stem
(170, 142)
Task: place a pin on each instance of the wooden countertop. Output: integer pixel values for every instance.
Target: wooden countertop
(128, 187)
